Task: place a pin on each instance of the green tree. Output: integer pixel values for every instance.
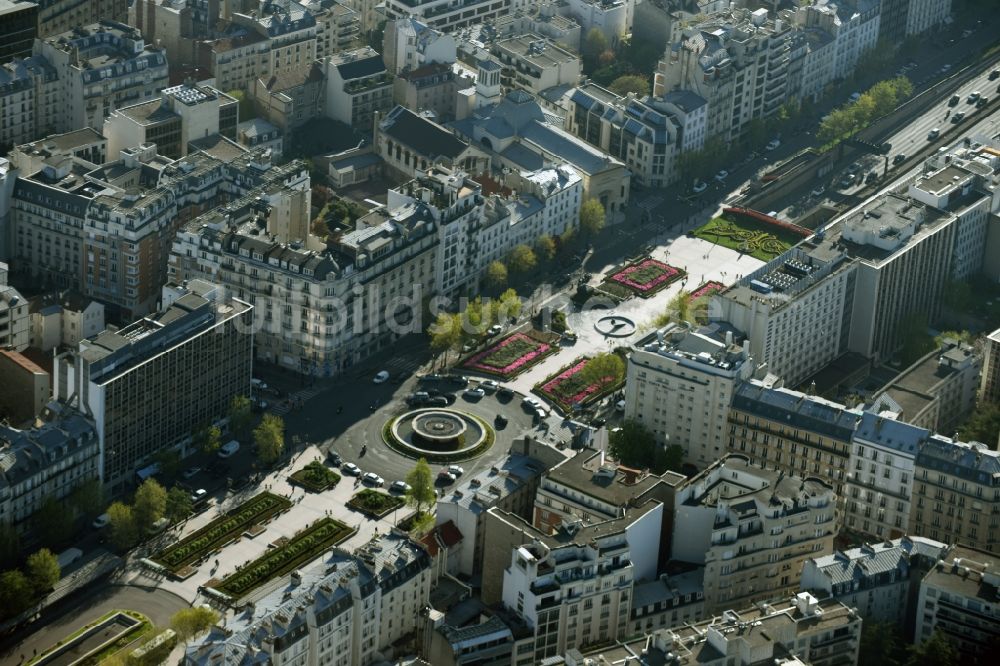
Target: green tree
(983, 425)
(630, 83)
(15, 593)
(421, 494)
(546, 247)
(963, 337)
(509, 305)
(43, 570)
(935, 651)
(53, 522)
(179, 504)
(208, 438)
(88, 499)
(881, 645)
(594, 44)
(522, 259)
(240, 415)
(496, 275)
(169, 461)
(189, 622)
(633, 445)
(591, 216)
(150, 503)
(604, 370)
(10, 546)
(445, 333)
(678, 309)
(122, 526)
(269, 438)
(668, 458)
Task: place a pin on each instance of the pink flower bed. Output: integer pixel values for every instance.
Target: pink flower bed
(660, 271)
(709, 287)
(478, 362)
(551, 387)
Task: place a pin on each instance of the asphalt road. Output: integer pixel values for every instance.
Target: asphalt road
(158, 604)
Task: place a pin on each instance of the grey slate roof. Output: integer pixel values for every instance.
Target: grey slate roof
(796, 409)
(426, 138)
(357, 69)
(890, 434)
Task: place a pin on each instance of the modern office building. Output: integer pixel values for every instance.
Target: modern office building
(752, 530)
(793, 432)
(446, 15)
(958, 598)
(679, 384)
(48, 460)
(956, 493)
(880, 476)
(18, 28)
(148, 385)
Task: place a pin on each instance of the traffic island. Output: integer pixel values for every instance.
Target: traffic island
(97, 641)
(374, 503)
(315, 477)
(438, 435)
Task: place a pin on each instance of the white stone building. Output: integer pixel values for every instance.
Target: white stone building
(357, 87)
(62, 319)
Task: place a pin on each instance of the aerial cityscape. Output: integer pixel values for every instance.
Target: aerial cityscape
(499, 332)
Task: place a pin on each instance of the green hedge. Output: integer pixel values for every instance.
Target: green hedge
(221, 530)
(315, 477)
(301, 548)
(375, 503)
(440, 457)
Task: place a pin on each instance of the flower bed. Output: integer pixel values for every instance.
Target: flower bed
(706, 289)
(375, 503)
(221, 530)
(511, 356)
(646, 277)
(567, 388)
(301, 548)
(315, 477)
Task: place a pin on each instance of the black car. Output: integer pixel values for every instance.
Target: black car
(899, 159)
(505, 393)
(954, 100)
(500, 421)
(871, 178)
(437, 401)
(994, 74)
(334, 458)
(598, 422)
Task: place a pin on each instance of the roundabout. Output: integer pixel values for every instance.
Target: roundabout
(439, 435)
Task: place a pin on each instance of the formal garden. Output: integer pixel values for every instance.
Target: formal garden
(221, 531)
(287, 556)
(576, 384)
(644, 278)
(513, 354)
(750, 232)
(375, 503)
(315, 477)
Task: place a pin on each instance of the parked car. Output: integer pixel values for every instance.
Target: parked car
(699, 187)
(530, 402)
(437, 401)
(500, 421)
(373, 479)
(489, 385)
(871, 177)
(474, 393)
(445, 477)
(495, 329)
(334, 458)
(101, 521)
(190, 471)
(855, 96)
(400, 487)
(381, 377)
(457, 470)
(352, 469)
(847, 181)
(620, 405)
(418, 398)
(228, 449)
(933, 134)
(722, 175)
(199, 496)
(504, 392)
(819, 191)
(460, 380)
(598, 422)
(772, 144)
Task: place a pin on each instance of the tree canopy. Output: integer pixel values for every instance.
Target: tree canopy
(43, 570)
(179, 504)
(604, 369)
(269, 437)
(208, 438)
(150, 503)
(53, 522)
(879, 100)
(122, 526)
(592, 216)
(522, 259)
(630, 83)
(240, 415)
(421, 494)
(635, 446)
(496, 275)
(546, 247)
(189, 622)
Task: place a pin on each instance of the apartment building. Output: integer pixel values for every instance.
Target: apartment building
(510, 486)
(291, 32)
(86, 143)
(937, 392)
(516, 133)
(27, 100)
(752, 529)
(533, 63)
(837, 34)
(47, 460)
(430, 89)
(357, 87)
(63, 318)
(101, 67)
(182, 114)
(879, 579)
(541, 18)
(15, 317)
(989, 387)
(410, 143)
(925, 15)
(793, 632)
(338, 27)
(410, 44)
(352, 611)
(612, 17)
(574, 587)
(239, 58)
(679, 384)
(880, 476)
(737, 60)
(58, 16)
(290, 98)
(956, 493)
(447, 15)
(25, 390)
(18, 29)
(958, 598)
(793, 432)
(147, 385)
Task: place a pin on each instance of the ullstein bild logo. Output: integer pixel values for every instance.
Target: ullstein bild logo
(404, 314)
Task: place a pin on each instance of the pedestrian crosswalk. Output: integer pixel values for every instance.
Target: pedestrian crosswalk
(295, 398)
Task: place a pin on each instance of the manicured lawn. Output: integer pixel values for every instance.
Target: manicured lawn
(315, 477)
(510, 356)
(645, 277)
(197, 545)
(568, 388)
(375, 503)
(300, 549)
(747, 236)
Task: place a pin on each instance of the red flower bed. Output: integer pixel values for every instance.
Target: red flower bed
(646, 276)
(568, 389)
(509, 356)
(707, 289)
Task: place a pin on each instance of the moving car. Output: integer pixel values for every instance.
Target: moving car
(620, 405)
(983, 101)
(381, 377)
(699, 187)
(101, 521)
(445, 477)
(871, 178)
(352, 469)
(772, 144)
(495, 329)
(457, 470)
(933, 134)
(722, 175)
(994, 74)
(899, 159)
(958, 117)
(474, 393)
(955, 99)
(373, 479)
(855, 96)
(190, 471)
(335, 459)
(400, 487)
(531, 402)
(973, 97)
(229, 448)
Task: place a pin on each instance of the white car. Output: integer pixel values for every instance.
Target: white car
(722, 175)
(855, 97)
(818, 192)
(199, 495)
(474, 393)
(699, 187)
(495, 329)
(772, 144)
(228, 449)
(489, 385)
(457, 470)
(352, 469)
(381, 377)
(373, 479)
(533, 403)
(101, 521)
(620, 405)
(933, 134)
(401, 487)
(191, 471)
